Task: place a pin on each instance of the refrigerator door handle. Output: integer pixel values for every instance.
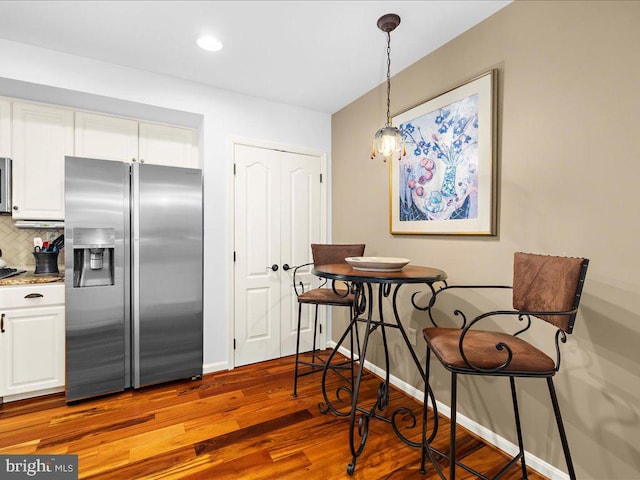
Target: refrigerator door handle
(135, 263)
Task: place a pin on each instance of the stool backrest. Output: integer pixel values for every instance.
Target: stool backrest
(544, 283)
(324, 254)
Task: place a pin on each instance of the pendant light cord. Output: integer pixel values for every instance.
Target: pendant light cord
(388, 79)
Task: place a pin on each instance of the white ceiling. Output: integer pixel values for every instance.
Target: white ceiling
(320, 55)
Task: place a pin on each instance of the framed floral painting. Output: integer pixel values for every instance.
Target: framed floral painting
(445, 184)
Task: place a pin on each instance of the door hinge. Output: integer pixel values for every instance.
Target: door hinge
(320, 178)
(234, 255)
(234, 343)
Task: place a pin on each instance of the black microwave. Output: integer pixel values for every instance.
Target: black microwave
(5, 185)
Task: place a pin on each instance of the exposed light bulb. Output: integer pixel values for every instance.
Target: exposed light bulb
(209, 43)
(387, 141)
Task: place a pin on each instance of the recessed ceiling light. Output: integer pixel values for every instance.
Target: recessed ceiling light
(209, 43)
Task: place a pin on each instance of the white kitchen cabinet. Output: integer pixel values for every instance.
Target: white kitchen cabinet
(114, 138)
(42, 136)
(167, 145)
(105, 137)
(32, 340)
(38, 137)
(5, 127)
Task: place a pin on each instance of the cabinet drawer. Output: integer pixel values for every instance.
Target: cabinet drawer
(31, 295)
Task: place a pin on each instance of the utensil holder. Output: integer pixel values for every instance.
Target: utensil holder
(46, 263)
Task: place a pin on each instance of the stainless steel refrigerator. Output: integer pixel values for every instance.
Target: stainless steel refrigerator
(133, 275)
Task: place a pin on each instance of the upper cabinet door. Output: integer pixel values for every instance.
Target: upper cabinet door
(42, 136)
(5, 128)
(165, 145)
(105, 137)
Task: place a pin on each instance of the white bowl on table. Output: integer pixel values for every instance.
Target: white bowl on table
(377, 264)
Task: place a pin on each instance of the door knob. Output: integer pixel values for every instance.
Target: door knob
(274, 267)
(286, 267)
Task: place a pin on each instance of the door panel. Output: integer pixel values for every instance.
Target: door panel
(168, 261)
(42, 136)
(257, 226)
(97, 196)
(33, 357)
(300, 227)
(168, 145)
(105, 137)
(277, 217)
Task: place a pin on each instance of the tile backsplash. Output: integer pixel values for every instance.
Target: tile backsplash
(17, 244)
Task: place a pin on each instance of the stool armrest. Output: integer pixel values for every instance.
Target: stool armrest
(522, 316)
(299, 286)
(446, 287)
(295, 283)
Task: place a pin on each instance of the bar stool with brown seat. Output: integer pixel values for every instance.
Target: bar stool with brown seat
(323, 254)
(544, 287)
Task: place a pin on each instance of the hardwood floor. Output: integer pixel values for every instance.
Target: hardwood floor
(229, 425)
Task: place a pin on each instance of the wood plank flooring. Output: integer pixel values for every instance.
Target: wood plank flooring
(242, 424)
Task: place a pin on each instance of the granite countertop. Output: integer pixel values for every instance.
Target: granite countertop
(29, 278)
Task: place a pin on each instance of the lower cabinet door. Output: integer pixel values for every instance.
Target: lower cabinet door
(32, 349)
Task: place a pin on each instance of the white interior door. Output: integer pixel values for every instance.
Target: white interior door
(277, 216)
(299, 228)
(257, 248)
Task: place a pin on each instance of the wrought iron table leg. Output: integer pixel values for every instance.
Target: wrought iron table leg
(359, 416)
(363, 423)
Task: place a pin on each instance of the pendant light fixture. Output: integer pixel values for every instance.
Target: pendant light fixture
(388, 140)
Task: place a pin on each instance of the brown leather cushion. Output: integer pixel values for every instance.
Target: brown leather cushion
(480, 349)
(326, 296)
(324, 254)
(542, 283)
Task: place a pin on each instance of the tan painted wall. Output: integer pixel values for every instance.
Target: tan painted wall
(569, 158)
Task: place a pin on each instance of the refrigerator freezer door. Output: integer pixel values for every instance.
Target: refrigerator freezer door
(96, 224)
(167, 273)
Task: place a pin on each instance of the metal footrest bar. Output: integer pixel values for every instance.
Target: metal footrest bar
(502, 471)
(319, 367)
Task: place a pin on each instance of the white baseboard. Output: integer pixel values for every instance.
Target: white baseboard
(535, 463)
(24, 396)
(215, 367)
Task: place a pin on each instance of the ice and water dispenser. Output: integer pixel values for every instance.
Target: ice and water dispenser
(93, 256)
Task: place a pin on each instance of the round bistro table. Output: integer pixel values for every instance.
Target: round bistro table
(362, 284)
